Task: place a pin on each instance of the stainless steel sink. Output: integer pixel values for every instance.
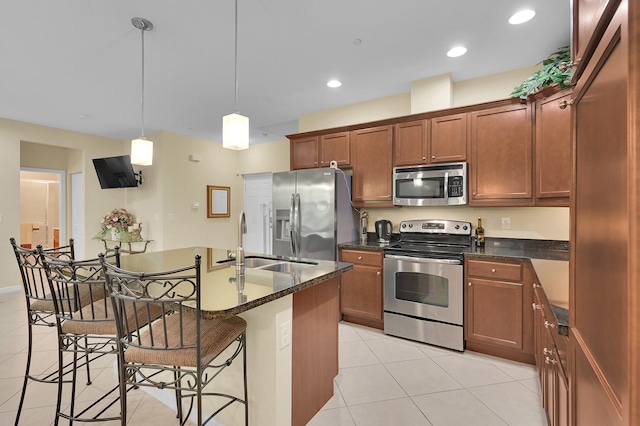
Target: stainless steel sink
(286, 267)
(268, 264)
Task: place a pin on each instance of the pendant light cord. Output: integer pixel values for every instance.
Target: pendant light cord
(236, 57)
(142, 85)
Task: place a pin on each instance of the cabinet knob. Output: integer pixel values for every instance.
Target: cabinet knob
(547, 351)
(315, 162)
(535, 306)
(493, 270)
(469, 284)
(536, 286)
(474, 193)
(378, 273)
(548, 324)
(424, 158)
(359, 257)
(433, 157)
(551, 361)
(563, 104)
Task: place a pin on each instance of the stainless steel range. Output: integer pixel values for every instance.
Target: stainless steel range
(423, 282)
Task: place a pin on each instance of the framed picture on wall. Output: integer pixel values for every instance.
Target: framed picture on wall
(218, 201)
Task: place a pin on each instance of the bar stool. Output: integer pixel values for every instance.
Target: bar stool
(40, 309)
(180, 347)
(89, 329)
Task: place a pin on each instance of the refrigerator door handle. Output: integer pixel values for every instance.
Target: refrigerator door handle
(292, 224)
(298, 225)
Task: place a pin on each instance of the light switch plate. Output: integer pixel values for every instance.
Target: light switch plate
(506, 223)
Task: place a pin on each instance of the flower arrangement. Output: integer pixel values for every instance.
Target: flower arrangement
(118, 221)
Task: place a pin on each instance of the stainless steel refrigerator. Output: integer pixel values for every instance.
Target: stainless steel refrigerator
(312, 213)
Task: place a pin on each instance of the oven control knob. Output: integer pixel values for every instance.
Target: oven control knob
(457, 226)
(465, 227)
(404, 225)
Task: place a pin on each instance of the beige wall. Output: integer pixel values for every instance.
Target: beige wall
(540, 223)
(97, 201)
(377, 109)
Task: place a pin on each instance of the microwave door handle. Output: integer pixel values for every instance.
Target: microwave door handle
(446, 188)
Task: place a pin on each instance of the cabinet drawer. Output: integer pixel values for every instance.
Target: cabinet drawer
(362, 257)
(495, 270)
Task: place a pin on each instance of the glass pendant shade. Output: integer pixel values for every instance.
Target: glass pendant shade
(235, 131)
(141, 152)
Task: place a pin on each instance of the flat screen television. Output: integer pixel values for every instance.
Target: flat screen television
(115, 172)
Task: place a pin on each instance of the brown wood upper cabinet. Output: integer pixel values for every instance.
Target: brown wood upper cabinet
(304, 152)
(372, 153)
(501, 156)
(553, 150)
(435, 140)
(319, 151)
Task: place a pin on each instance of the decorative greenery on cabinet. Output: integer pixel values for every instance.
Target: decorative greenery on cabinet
(555, 70)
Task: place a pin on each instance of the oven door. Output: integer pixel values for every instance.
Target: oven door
(424, 288)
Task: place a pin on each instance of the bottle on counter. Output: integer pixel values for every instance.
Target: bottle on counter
(363, 226)
(479, 234)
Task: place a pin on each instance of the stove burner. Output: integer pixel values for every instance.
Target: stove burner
(432, 239)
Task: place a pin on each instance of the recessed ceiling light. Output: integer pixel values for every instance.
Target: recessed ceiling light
(334, 83)
(522, 17)
(457, 51)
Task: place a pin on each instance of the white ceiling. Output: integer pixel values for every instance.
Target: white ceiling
(76, 64)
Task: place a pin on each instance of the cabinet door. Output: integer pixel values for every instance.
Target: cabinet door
(361, 292)
(372, 159)
(494, 313)
(606, 177)
(501, 157)
(449, 138)
(304, 153)
(590, 17)
(410, 144)
(553, 150)
(335, 146)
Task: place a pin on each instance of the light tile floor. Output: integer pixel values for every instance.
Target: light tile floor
(383, 380)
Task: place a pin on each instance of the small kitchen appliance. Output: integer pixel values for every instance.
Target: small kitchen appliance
(423, 282)
(383, 230)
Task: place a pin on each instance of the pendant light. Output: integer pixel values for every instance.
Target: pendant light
(235, 127)
(142, 148)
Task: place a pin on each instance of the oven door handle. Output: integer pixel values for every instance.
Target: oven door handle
(422, 259)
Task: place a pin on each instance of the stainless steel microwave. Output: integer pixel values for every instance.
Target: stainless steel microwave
(437, 185)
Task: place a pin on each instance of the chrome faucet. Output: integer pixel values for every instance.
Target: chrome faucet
(242, 229)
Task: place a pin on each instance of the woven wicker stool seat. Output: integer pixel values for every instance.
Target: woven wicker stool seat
(179, 351)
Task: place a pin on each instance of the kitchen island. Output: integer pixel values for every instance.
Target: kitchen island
(292, 330)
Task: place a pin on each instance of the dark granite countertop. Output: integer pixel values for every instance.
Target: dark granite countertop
(550, 259)
(224, 293)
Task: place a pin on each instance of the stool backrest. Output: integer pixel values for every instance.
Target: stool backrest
(176, 292)
(34, 278)
(75, 284)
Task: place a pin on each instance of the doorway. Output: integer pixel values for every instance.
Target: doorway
(42, 207)
(257, 208)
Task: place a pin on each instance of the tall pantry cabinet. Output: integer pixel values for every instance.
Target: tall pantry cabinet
(604, 340)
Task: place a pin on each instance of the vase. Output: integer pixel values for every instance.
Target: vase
(114, 235)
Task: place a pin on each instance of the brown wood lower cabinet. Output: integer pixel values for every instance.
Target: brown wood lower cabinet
(498, 317)
(361, 288)
(314, 349)
(551, 349)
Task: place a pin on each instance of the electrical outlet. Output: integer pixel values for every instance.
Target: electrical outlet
(506, 223)
(285, 334)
